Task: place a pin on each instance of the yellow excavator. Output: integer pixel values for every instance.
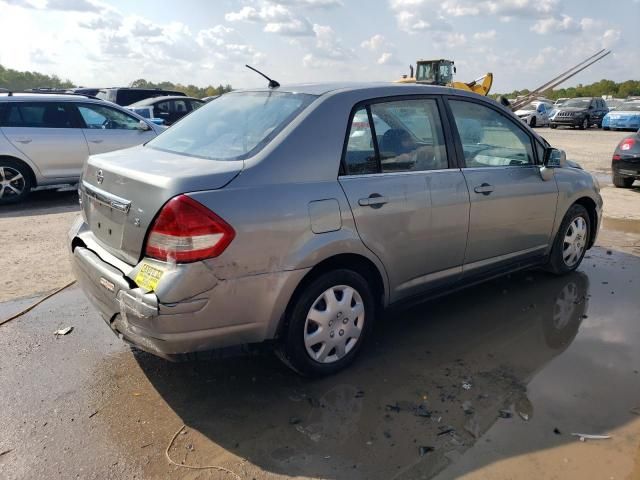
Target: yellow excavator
(440, 72)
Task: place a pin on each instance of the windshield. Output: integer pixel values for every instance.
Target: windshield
(577, 103)
(234, 126)
(530, 106)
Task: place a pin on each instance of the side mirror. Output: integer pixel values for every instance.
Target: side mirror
(554, 158)
(142, 125)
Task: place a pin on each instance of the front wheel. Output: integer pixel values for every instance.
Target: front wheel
(532, 123)
(571, 241)
(553, 125)
(327, 323)
(585, 124)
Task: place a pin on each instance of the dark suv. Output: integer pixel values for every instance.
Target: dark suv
(581, 112)
(127, 96)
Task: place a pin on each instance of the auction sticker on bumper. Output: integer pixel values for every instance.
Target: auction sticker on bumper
(149, 276)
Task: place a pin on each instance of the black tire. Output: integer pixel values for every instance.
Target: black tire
(532, 122)
(585, 124)
(553, 125)
(605, 128)
(291, 348)
(12, 169)
(556, 263)
(622, 182)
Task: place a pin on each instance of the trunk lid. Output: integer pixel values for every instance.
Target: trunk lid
(122, 192)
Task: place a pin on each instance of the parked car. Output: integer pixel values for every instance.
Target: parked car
(46, 139)
(535, 114)
(127, 96)
(581, 112)
(560, 101)
(625, 117)
(90, 92)
(208, 99)
(264, 215)
(146, 112)
(170, 109)
(625, 163)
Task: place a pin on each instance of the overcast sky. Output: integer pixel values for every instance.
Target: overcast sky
(523, 42)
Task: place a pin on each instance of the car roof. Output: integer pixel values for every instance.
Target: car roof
(161, 98)
(384, 88)
(47, 97)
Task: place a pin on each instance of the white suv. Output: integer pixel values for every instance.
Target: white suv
(46, 139)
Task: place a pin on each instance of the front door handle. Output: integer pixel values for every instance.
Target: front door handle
(484, 189)
(23, 140)
(96, 141)
(375, 200)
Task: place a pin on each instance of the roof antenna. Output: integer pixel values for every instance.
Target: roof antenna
(272, 83)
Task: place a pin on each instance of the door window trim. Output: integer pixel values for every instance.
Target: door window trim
(498, 109)
(453, 159)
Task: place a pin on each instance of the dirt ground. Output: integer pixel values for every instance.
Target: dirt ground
(36, 261)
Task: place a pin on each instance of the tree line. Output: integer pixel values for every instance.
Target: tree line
(16, 80)
(597, 89)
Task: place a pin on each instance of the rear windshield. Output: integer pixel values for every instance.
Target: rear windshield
(629, 107)
(234, 126)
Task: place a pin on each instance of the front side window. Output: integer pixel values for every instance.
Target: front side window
(234, 127)
(180, 106)
(107, 118)
(38, 115)
(489, 139)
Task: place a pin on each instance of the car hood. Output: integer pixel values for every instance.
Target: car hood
(572, 109)
(524, 112)
(628, 113)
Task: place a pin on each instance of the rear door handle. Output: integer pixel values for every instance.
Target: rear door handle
(96, 141)
(484, 189)
(23, 140)
(375, 200)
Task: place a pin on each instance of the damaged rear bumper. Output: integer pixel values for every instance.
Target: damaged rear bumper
(228, 313)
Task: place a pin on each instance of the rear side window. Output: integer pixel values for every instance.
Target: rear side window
(489, 139)
(38, 115)
(234, 127)
(408, 137)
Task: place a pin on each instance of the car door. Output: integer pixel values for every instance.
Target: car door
(163, 110)
(107, 129)
(179, 108)
(600, 110)
(410, 208)
(512, 207)
(543, 114)
(49, 134)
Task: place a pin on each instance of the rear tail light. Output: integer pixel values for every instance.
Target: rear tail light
(615, 158)
(627, 144)
(186, 231)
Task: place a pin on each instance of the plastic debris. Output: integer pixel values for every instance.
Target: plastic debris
(444, 429)
(467, 407)
(556, 431)
(63, 331)
(588, 436)
(505, 414)
(424, 449)
(466, 385)
(524, 416)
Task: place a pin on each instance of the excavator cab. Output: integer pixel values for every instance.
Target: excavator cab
(435, 72)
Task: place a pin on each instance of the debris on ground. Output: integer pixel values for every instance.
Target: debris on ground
(588, 436)
(4, 452)
(505, 414)
(556, 431)
(421, 411)
(294, 420)
(466, 385)
(93, 414)
(524, 416)
(63, 331)
(444, 429)
(467, 407)
(472, 427)
(392, 408)
(424, 449)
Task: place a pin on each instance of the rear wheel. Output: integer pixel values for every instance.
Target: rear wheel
(571, 241)
(622, 182)
(327, 323)
(553, 125)
(15, 181)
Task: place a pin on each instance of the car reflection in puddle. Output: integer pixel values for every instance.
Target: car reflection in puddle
(432, 380)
